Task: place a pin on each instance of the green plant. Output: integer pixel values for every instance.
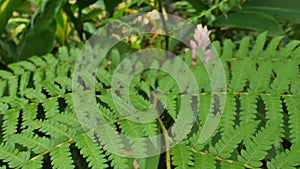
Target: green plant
(61, 22)
(262, 15)
(259, 126)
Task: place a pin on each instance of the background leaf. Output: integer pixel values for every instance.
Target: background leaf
(250, 20)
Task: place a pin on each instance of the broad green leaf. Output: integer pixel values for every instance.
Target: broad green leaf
(283, 10)
(38, 37)
(250, 20)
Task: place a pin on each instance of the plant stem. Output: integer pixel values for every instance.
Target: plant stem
(165, 132)
(167, 142)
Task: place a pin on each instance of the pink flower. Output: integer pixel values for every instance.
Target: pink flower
(201, 40)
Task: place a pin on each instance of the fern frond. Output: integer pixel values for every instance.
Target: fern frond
(24, 82)
(118, 162)
(204, 107)
(294, 118)
(286, 160)
(288, 50)
(248, 108)
(54, 129)
(51, 107)
(14, 157)
(169, 103)
(36, 163)
(284, 76)
(256, 149)
(10, 123)
(34, 143)
(231, 165)
(110, 139)
(240, 74)
(184, 121)
(271, 51)
(91, 151)
(259, 45)
(13, 86)
(204, 161)
(67, 118)
(182, 156)
(134, 130)
(260, 79)
(228, 49)
(61, 157)
(243, 48)
(231, 138)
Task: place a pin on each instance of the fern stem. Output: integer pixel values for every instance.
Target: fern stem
(165, 132)
(167, 142)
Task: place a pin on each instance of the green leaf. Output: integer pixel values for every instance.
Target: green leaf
(204, 161)
(90, 150)
(282, 10)
(231, 165)
(232, 137)
(43, 24)
(61, 157)
(13, 156)
(198, 5)
(182, 156)
(250, 20)
(286, 160)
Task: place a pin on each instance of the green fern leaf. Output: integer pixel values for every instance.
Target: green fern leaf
(61, 157)
(13, 86)
(13, 156)
(272, 46)
(34, 143)
(10, 123)
(228, 49)
(2, 87)
(248, 108)
(55, 129)
(203, 161)
(184, 121)
(91, 152)
(231, 165)
(240, 74)
(288, 49)
(294, 118)
(260, 80)
(68, 119)
(35, 162)
(52, 89)
(244, 48)
(182, 156)
(231, 138)
(259, 45)
(169, 103)
(24, 82)
(204, 108)
(118, 162)
(16, 68)
(295, 53)
(51, 107)
(256, 149)
(134, 130)
(110, 139)
(284, 75)
(286, 160)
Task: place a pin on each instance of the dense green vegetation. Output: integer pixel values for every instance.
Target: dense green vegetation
(233, 105)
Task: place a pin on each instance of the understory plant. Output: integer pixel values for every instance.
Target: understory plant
(259, 125)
